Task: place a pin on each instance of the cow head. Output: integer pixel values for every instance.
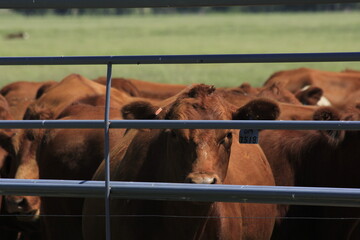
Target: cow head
(196, 155)
(44, 88)
(278, 92)
(310, 95)
(333, 137)
(23, 166)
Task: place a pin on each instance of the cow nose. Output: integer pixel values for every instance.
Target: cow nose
(202, 178)
(16, 204)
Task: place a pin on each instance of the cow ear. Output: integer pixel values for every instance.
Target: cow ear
(140, 110)
(34, 112)
(46, 86)
(275, 89)
(310, 96)
(258, 109)
(334, 137)
(127, 86)
(245, 86)
(5, 114)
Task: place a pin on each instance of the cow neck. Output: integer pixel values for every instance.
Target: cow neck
(143, 161)
(133, 151)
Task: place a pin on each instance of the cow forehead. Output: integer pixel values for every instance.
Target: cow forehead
(206, 108)
(202, 137)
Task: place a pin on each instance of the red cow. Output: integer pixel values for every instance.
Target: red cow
(193, 156)
(20, 94)
(123, 84)
(278, 92)
(146, 89)
(274, 91)
(72, 88)
(34, 161)
(351, 71)
(315, 158)
(288, 111)
(335, 85)
(71, 154)
(10, 227)
(23, 147)
(56, 159)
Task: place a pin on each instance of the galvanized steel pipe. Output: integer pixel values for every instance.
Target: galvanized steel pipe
(183, 124)
(185, 59)
(63, 4)
(342, 197)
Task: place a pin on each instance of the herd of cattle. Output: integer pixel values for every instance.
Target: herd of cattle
(319, 158)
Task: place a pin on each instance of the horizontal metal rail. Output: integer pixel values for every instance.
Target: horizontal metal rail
(183, 124)
(342, 197)
(185, 59)
(33, 4)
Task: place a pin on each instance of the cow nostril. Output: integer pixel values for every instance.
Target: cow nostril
(214, 181)
(16, 204)
(22, 203)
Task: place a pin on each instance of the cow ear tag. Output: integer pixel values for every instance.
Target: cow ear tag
(158, 111)
(249, 136)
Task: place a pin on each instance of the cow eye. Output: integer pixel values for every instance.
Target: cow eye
(226, 138)
(229, 135)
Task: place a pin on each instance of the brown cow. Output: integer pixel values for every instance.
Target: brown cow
(10, 227)
(193, 156)
(311, 96)
(31, 165)
(288, 111)
(348, 70)
(58, 162)
(275, 91)
(71, 154)
(17, 35)
(122, 84)
(23, 147)
(145, 89)
(57, 98)
(20, 94)
(335, 85)
(4, 155)
(315, 158)
(153, 90)
(6, 229)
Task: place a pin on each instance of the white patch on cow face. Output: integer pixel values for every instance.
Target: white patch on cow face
(323, 102)
(304, 88)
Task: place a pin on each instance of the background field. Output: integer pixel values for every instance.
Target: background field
(233, 33)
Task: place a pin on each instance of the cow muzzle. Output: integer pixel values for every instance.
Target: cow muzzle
(203, 178)
(21, 207)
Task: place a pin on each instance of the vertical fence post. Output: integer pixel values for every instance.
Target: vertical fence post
(107, 153)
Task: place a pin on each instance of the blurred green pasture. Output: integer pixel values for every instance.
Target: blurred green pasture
(235, 33)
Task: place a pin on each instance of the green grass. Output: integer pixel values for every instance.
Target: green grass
(178, 34)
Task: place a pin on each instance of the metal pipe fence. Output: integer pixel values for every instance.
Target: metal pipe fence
(185, 59)
(183, 124)
(316, 196)
(63, 4)
(171, 191)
